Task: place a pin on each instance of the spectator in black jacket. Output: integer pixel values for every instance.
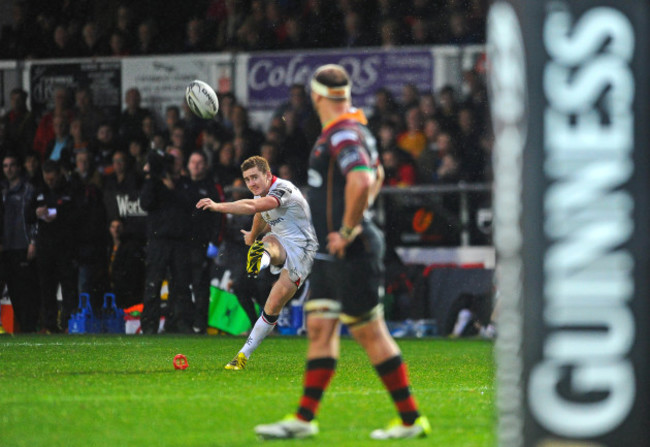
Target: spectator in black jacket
(122, 198)
(18, 245)
(165, 199)
(56, 210)
(125, 267)
(205, 235)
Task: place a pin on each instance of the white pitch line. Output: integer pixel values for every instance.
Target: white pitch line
(70, 343)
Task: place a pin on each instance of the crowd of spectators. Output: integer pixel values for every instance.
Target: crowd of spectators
(88, 28)
(97, 166)
(92, 167)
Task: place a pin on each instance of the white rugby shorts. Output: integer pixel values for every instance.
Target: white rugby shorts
(298, 263)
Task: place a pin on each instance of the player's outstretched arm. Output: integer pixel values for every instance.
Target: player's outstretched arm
(244, 206)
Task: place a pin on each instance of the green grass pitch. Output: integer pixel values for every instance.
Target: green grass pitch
(123, 391)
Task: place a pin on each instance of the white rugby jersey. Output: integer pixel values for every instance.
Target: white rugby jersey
(292, 219)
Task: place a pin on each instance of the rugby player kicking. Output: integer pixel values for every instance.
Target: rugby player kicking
(288, 246)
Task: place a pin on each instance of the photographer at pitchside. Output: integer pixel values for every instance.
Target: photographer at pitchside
(169, 209)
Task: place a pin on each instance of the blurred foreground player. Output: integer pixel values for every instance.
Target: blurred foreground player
(345, 176)
(288, 248)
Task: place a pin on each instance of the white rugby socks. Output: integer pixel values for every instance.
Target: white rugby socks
(263, 327)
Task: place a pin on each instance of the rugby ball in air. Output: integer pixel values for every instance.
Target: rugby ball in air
(202, 99)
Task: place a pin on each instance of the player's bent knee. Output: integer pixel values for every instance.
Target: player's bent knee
(352, 321)
(275, 249)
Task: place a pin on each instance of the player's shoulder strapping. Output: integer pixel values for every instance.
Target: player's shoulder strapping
(344, 137)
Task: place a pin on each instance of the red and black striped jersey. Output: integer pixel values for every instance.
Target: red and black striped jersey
(344, 145)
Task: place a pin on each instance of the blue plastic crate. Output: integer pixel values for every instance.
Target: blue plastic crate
(83, 321)
(112, 316)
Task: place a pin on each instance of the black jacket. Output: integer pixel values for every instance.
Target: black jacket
(122, 200)
(127, 272)
(62, 233)
(16, 202)
(93, 228)
(206, 226)
(168, 210)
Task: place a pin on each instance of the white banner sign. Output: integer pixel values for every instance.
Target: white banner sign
(162, 80)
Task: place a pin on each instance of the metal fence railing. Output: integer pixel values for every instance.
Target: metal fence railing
(432, 215)
(454, 214)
